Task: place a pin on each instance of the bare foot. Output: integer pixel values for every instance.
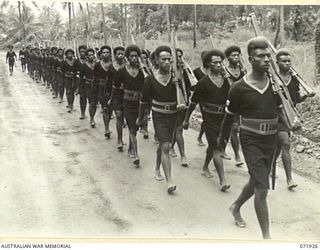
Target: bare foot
(171, 188)
(292, 185)
(184, 162)
(224, 187)
(158, 176)
(207, 174)
(238, 221)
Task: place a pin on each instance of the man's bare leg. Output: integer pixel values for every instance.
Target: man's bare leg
(106, 121)
(134, 145)
(261, 207)
(217, 160)
(207, 160)
(284, 141)
(166, 165)
(200, 142)
(180, 142)
(158, 175)
(92, 112)
(235, 143)
(246, 193)
(119, 124)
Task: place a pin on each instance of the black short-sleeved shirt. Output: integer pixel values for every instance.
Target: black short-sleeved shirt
(66, 67)
(153, 90)
(235, 78)
(252, 103)
(100, 73)
(86, 72)
(207, 92)
(123, 78)
(11, 55)
(57, 64)
(23, 54)
(79, 63)
(198, 73)
(294, 90)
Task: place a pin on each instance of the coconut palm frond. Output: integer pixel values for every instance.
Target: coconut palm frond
(35, 5)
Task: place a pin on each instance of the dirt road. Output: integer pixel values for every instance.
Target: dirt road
(61, 178)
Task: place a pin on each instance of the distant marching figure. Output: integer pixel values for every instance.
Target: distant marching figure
(23, 57)
(11, 58)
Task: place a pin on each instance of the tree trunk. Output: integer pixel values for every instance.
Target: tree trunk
(138, 19)
(90, 24)
(168, 21)
(317, 52)
(23, 17)
(20, 19)
(103, 24)
(126, 22)
(123, 30)
(279, 38)
(69, 15)
(195, 26)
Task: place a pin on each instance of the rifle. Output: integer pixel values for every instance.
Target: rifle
(192, 78)
(225, 72)
(176, 75)
(309, 91)
(290, 113)
(145, 70)
(120, 40)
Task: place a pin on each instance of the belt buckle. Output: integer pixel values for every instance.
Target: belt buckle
(135, 96)
(220, 109)
(265, 127)
(166, 107)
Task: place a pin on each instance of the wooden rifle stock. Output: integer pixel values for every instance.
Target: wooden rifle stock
(192, 78)
(309, 91)
(181, 102)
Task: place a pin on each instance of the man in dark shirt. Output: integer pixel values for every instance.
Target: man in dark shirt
(160, 91)
(11, 57)
(90, 89)
(103, 76)
(199, 73)
(254, 100)
(132, 79)
(283, 143)
(80, 61)
(116, 100)
(69, 71)
(58, 73)
(235, 70)
(212, 92)
(22, 57)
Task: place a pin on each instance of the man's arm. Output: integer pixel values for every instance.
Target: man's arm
(144, 101)
(225, 129)
(185, 123)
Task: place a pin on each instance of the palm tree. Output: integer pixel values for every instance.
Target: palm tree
(26, 28)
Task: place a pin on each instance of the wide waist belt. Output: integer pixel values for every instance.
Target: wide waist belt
(259, 126)
(88, 81)
(68, 74)
(164, 107)
(213, 108)
(103, 82)
(131, 95)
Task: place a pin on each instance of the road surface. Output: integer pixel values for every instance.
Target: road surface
(61, 178)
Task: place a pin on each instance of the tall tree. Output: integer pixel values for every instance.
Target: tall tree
(317, 51)
(279, 38)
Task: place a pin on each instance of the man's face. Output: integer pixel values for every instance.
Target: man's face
(215, 64)
(105, 54)
(260, 59)
(119, 55)
(164, 61)
(234, 57)
(54, 52)
(90, 56)
(60, 53)
(133, 58)
(284, 63)
(69, 55)
(144, 58)
(82, 53)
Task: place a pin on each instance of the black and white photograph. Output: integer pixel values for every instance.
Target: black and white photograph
(160, 121)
